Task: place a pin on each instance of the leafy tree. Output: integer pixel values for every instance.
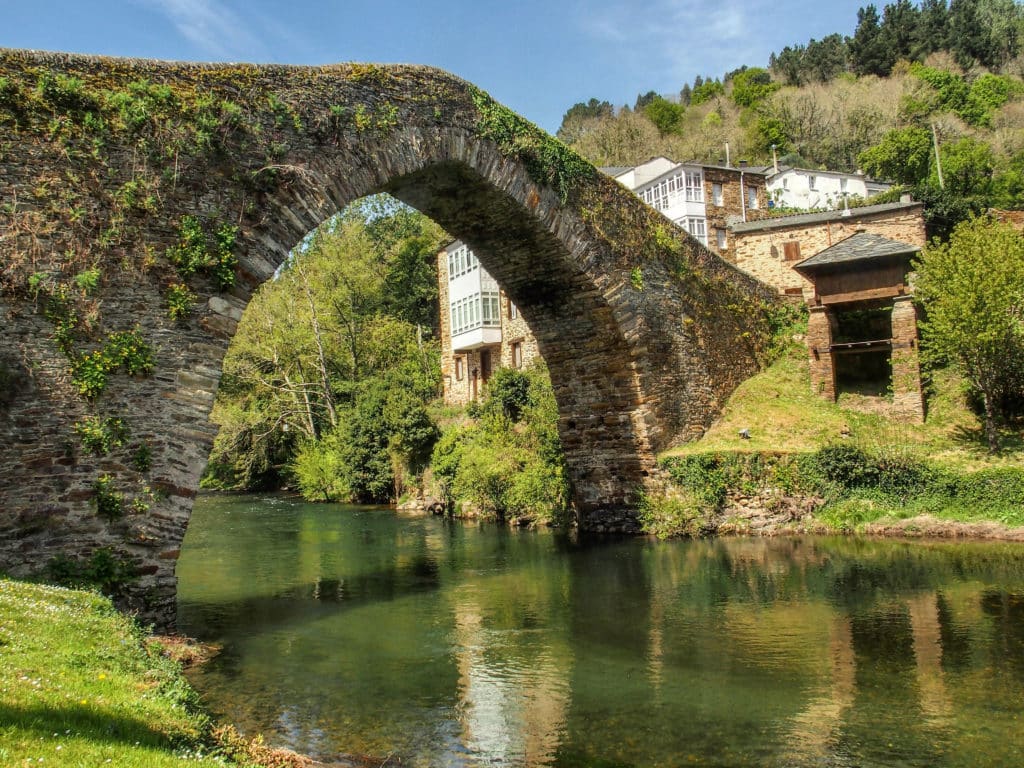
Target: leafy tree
(967, 168)
(932, 33)
(903, 156)
(869, 52)
(1008, 184)
(302, 378)
(972, 291)
(789, 64)
(706, 90)
(944, 209)
(664, 114)
(579, 115)
(898, 29)
(752, 86)
(827, 58)
(643, 99)
(508, 462)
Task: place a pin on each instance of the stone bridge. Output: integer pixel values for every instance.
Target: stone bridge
(142, 203)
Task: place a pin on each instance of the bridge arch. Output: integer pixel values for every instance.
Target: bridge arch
(644, 332)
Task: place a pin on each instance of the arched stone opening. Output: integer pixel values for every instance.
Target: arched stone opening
(644, 332)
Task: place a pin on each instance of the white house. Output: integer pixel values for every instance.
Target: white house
(698, 197)
(810, 190)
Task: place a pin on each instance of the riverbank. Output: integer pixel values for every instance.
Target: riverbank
(80, 684)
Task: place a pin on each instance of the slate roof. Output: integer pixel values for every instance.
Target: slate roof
(819, 217)
(856, 249)
(615, 170)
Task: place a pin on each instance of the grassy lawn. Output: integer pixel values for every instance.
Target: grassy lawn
(783, 415)
(866, 466)
(79, 687)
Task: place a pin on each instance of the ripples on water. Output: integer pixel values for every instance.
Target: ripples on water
(353, 630)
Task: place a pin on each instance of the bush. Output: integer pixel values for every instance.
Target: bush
(318, 471)
(103, 571)
(670, 515)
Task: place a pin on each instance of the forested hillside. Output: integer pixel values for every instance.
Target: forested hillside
(877, 100)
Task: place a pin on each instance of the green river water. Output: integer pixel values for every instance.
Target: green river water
(420, 642)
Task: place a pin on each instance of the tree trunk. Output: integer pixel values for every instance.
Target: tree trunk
(991, 428)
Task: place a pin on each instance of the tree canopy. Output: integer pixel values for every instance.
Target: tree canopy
(972, 291)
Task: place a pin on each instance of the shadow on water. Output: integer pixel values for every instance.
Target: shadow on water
(312, 600)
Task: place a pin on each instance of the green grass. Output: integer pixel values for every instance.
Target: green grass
(920, 476)
(80, 687)
(783, 415)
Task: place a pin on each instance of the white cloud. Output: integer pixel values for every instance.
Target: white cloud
(674, 40)
(212, 27)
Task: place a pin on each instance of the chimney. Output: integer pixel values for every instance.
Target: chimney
(743, 163)
(906, 198)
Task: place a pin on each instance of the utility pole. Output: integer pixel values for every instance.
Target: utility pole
(938, 160)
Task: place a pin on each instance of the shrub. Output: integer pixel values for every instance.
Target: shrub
(318, 470)
(101, 436)
(103, 570)
(676, 514)
(109, 503)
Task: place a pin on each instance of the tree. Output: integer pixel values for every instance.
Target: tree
(706, 90)
(577, 118)
(932, 33)
(302, 385)
(789, 65)
(898, 30)
(869, 53)
(827, 58)
(903, 156)
(752, 86)
(665, 115)
(643, 99)
(972, 292)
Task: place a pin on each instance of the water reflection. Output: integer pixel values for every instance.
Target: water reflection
(352, 630)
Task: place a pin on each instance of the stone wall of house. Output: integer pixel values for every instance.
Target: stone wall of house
(769, 250)
(734, 208)
(457, 369)
(274, 151)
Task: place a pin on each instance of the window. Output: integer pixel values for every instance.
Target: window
(696, 227)
(812, 183)
(479, 309)
(720, 238)
(716, 195)
(517, 354)
(791, 250)
(752, 197)
(660, 195)
(513, 310)
(461, 261)
(458, 368)
(694, 186)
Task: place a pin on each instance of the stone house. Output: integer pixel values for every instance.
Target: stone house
(703, 199)
(481, 329)
(769, 248)
(851, 267)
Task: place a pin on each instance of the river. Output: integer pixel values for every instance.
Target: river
(360, 631)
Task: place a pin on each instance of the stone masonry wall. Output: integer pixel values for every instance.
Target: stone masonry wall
(109, 164)
(770, 253)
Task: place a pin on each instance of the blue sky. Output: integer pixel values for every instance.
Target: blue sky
(537, 56)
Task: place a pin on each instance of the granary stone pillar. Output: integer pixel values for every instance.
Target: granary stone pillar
(908, 400)
(820, 330)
